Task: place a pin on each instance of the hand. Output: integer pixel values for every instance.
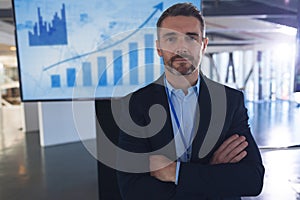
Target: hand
(162, 168)
(231, 151)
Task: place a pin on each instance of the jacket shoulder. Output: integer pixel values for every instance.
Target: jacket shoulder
(229, 91)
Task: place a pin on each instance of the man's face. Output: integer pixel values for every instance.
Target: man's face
(181, 45)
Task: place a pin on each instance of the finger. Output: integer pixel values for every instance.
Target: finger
(159, 158)
(154, 174)
(231, 150)
(158, 162)
(153, 163)
(227, 142)
(241, 147)
(239, 157)
(233, 146)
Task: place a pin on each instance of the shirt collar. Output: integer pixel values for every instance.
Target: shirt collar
(171, 88)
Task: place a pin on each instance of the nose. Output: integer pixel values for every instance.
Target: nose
(181, 50)
(182, 47)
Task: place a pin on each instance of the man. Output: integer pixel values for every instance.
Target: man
(204, 149)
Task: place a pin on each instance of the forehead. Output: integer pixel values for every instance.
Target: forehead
(182, 24)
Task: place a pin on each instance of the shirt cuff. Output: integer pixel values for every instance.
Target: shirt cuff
(177, 172)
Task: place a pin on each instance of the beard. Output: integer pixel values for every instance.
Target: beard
(183, 68)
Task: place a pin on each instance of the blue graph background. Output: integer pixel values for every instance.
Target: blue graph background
(86, 49)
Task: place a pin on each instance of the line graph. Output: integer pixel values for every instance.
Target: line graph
(158, 7)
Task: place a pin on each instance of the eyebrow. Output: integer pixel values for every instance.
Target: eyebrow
(169, 34)
(174, 33)
(193, 34)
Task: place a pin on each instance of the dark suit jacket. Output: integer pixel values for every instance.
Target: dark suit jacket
(197, 179)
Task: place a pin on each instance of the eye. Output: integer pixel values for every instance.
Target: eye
(191, 38)
(171, 39)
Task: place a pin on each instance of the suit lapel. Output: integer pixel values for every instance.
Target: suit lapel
(165, 136)
(202, 118)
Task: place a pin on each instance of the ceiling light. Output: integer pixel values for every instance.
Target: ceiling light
(12, 48)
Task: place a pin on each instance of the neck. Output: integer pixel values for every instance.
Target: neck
(182, 82)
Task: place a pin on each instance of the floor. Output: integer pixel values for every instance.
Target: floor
(29, 172)
(275, 126)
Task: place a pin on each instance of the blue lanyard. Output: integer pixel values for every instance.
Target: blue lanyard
(186, 146)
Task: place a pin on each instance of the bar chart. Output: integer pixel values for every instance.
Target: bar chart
(130, 68)
(45, 33)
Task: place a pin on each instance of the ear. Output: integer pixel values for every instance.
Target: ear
(204, 43)
(158, 49)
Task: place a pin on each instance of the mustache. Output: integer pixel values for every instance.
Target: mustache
(184, 56)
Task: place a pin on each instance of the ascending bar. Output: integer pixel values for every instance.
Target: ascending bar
(118, 67)
(102, 72)
(71, 76)
(87, 74)
(133, 63)
(149, 57)
(55, 81)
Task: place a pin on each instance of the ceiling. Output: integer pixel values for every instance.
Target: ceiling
(236, 24)
(231, 24)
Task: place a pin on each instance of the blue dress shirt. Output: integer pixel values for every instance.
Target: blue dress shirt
(184, 106)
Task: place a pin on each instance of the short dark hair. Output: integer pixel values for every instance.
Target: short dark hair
(183, 9)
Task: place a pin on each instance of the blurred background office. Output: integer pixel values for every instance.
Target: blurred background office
(254, 46)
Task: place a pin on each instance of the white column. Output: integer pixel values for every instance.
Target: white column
(1, 82)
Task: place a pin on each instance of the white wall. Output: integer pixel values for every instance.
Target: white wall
(65, 122)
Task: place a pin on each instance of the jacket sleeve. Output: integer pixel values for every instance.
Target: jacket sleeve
(140, 185)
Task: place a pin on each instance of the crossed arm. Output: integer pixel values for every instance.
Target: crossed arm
(231, 151)
(232, 172)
